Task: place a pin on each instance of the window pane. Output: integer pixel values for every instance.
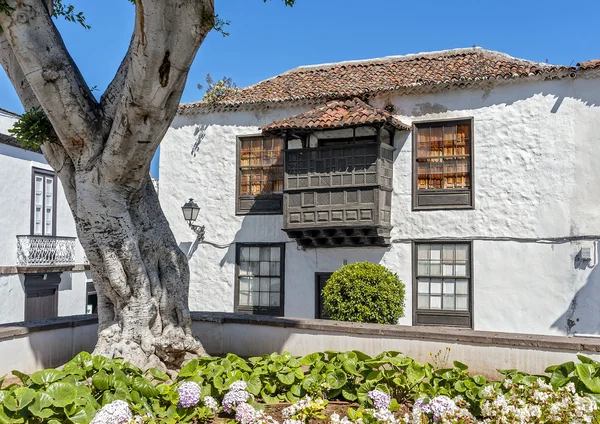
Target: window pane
(436, 252)
(275, 284)
(448, 253)
(245, 284)
(423, 302)
(462, 286)
(461, 270)
(255, 268)
(449, 302)
(435, 302)
(448, 286)
(449, 270)
(265, 268)
(274, 299)
(255, 253)
(265, 284)
(436, 286)
(275, 253)
(423, 286)
(462, 303)
(462, 252)
(244, 298)
(436, 269)
(423, 268)
(244, 253)
(265, 253)
(261, 163)
(275, 266)
(264, 299)
(423, 251)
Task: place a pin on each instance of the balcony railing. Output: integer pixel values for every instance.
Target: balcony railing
(45, 251)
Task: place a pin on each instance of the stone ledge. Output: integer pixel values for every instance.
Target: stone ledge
(441, 334)
(9, 270)
(15, 329)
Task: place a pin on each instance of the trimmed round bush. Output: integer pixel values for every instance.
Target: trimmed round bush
(364, 292)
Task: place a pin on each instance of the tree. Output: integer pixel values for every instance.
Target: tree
(101, 151)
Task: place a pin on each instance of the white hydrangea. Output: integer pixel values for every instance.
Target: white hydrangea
(116, 412)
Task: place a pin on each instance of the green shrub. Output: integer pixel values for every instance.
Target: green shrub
(364, 292)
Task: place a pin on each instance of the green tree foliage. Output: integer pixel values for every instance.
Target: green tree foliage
(364, 292)
(32, 129)
(215, 90)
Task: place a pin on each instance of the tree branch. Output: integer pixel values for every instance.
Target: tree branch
(166, 38)
(53, 76)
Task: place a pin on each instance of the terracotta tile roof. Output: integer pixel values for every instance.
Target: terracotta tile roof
(423, 72)
(590, 64)
(336, 114)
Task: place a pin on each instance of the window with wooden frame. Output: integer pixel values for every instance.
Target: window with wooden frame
(260, 278)
(443, 164)
(443, 284)
(260, 175)
(43, 203)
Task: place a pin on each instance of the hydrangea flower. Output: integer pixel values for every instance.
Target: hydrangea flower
(116, 412)
(381, 400)
(244, 413)
(189, 394)
(238, 386)
(233, 398)
(211, 403)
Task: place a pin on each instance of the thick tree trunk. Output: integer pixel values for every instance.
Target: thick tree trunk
(103, 156)
(141, 275)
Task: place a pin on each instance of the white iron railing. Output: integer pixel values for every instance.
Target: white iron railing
(45, 250)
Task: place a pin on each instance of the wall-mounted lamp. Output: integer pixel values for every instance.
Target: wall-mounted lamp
(190, 213)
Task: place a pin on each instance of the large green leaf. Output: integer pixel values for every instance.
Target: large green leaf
(100, 362)
(254, 385)
(287, 379)
(189, 369)
(62, 394)
(25, 379)
(336, 379)
(145, 387)
(460, 365)
(349, 395)
(19, 398)
(158, 374)
(584, 371)
(311, 359)
(47, 376)
(101, 381)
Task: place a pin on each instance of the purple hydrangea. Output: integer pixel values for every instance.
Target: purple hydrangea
(116, 412)
(381, 400)
(436, 406)
(233, 398)
(237, 386)
(211, 403)
(244, 413)
(189, 394)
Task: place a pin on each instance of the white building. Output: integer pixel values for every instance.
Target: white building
(43, 273)
(488, 164)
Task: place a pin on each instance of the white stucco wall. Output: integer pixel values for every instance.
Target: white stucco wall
(15, 213)
(536, 177)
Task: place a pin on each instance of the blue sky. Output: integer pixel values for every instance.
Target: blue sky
(268, 38)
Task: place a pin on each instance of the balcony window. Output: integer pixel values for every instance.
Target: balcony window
(443, 165)
(43, 213)
(260, 175)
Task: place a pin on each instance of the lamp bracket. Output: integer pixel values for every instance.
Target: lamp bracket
(199, 230)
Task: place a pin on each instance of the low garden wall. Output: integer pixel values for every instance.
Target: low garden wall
(35, 345)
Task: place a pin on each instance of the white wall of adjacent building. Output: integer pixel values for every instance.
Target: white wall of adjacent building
(536, 189)
(16, 167)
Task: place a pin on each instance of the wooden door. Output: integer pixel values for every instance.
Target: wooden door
(41, 296)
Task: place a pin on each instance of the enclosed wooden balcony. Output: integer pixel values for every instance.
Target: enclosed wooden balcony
(338, 175)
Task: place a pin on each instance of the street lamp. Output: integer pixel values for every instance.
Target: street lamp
(190, 213)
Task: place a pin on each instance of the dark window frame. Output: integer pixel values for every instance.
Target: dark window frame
(318, 297)
(44, 173)
(255, 210)
(441, 193)
(259, 310)
(443, 316)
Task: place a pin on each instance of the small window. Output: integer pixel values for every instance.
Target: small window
(92, 299)
(442, 288)
(43, 203)
(443, 157)
(260, 279)
(260, 175)
(320, 280)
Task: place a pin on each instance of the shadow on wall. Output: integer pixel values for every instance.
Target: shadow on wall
(582, 316)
